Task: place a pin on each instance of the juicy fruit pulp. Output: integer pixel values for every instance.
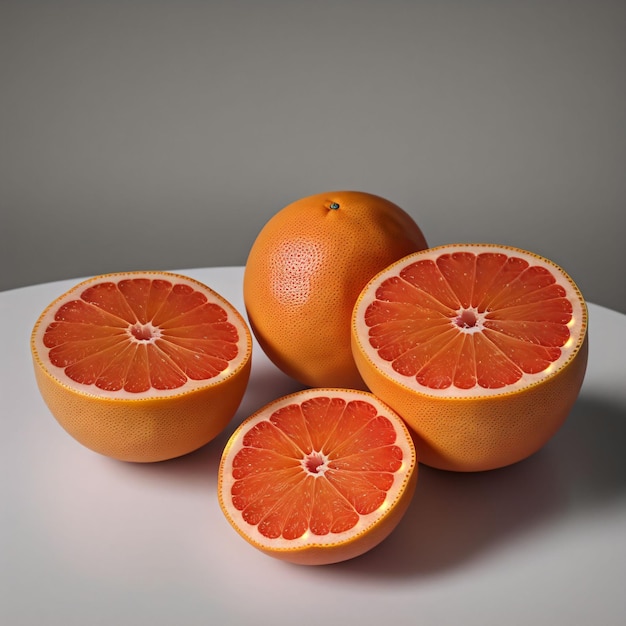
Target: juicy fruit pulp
(140, 334)
(318, 476)
(142, 366)
(476, 320)
(305, 271)
(480, 348)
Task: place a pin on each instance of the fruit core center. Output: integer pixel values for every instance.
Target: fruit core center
(144, 332)
(315, 463)
(468, 320)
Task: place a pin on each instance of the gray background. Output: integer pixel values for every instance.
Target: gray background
(163, 135)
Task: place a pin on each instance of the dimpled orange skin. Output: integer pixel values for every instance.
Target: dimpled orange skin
(476, 434)
(144, 430)
(305, 271)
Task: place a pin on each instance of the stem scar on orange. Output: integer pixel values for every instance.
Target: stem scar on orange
(304, 272)
(319, 476)
(481, 348)
(142, 366)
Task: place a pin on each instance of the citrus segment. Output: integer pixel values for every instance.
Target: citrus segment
(305, 270)
(480, 348)
(142, 366)
(318, 476)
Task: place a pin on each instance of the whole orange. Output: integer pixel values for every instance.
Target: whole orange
(305, 271)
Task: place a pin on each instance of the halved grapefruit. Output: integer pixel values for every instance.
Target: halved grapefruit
(142, 366)
(481, 348)
(318, 476)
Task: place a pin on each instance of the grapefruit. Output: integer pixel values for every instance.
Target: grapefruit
(319, 476)
(304, 272)
(482, 349)
(141, 366)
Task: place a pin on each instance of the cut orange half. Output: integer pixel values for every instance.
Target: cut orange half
(142, 366)
(319, 476)
(481, 349)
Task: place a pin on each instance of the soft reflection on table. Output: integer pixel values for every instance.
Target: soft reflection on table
(88, 540)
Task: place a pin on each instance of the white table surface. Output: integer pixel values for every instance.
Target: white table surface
(85, 540)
